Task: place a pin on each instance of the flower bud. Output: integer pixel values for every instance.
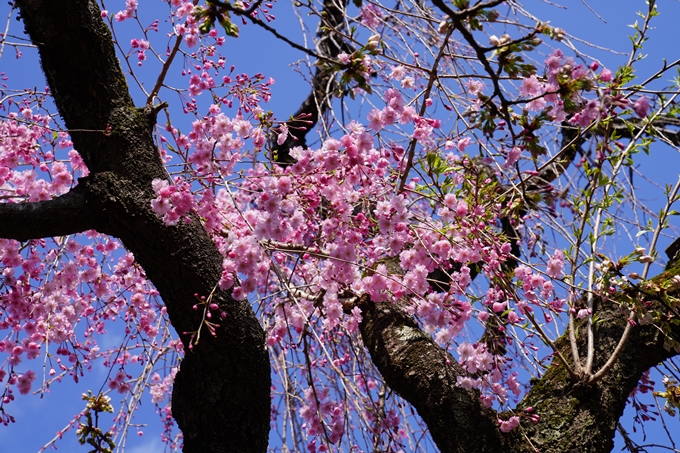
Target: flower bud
(373, 42)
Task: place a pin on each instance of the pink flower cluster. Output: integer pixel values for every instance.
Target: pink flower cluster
(173, 201)
(141, 46)
(128, 12)
(316, 404)
(161, 388)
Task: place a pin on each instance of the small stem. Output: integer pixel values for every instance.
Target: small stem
(549, 342)
(164, 71)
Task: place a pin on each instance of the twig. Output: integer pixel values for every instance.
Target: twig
(430, 83)
(164, 72)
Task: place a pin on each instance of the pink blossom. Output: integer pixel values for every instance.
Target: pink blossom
(463, 143)
(510, 424)
(398, 72)
(530, 87)
(375, 120)
(512, 157)
(606, 75)
(641, 106)
(283, 134)
(475, 86)
(25, 381)
(554, 269)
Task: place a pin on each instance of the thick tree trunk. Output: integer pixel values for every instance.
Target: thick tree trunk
(425, 375)
(221, 393)
(574, 417)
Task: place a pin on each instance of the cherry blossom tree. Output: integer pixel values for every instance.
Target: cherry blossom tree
(443, 247)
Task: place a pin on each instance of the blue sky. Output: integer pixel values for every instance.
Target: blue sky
(39, 418)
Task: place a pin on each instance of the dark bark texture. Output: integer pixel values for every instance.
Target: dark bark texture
(574, 417)
(221, 393)
(425, 375)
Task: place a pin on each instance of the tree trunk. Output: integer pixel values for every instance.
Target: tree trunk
(221, 392)
(574, 416)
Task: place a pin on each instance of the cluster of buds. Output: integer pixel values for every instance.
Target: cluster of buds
(643, 256)
(499, 42)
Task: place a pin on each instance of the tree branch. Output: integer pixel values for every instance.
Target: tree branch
(425, 375)
(221, 394)
(573, 415)
(323, 82)
(659, 126)
(61, 216)
(81, 68)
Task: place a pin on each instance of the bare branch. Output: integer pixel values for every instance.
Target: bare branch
(323, 82)
(660, 126)
(164, 71)
(67, 214)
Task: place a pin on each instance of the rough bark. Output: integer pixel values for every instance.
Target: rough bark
(221, 393)
(425, 375)
(574, 417)
(60, 216)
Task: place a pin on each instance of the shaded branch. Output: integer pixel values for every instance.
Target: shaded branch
(425, 375)
(318, 102)
(164, 71)
(61, 216)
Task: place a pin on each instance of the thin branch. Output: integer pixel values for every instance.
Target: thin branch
(331, 43)
(4, 35)
(426, 94)
(457, 18)
(593, 11)
(550, 343)
(164, 71)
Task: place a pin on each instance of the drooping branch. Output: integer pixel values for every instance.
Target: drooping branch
(61, 216)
